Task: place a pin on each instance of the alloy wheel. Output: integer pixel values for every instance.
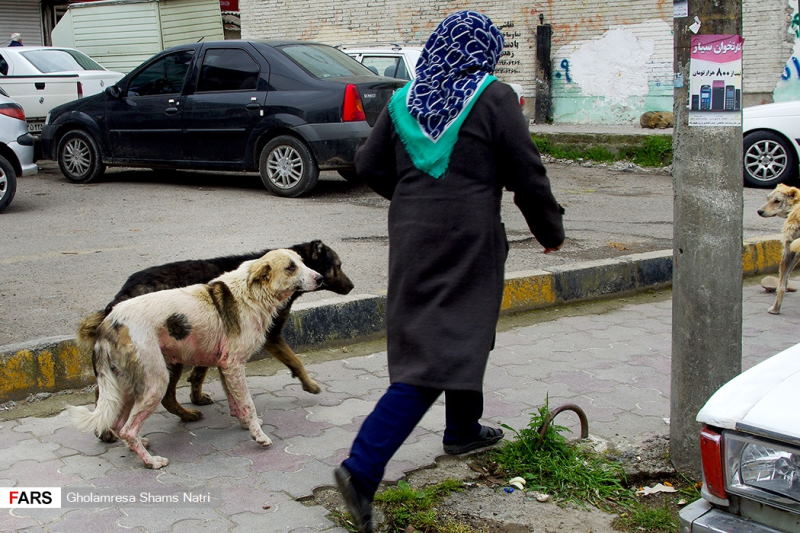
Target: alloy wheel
(3, 184)
(77, 156)
(765, 160)
(284, 167)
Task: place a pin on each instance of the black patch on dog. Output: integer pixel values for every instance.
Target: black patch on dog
(226, 306)
(178, 326)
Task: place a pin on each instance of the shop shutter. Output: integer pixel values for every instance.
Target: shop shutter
(21, 17)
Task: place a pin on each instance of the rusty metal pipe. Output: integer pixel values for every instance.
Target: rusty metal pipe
(566, 407)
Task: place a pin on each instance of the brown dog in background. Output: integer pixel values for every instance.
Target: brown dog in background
(784, 202)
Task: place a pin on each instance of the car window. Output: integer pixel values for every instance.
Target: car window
(228, 70)
(325, 61)
(55, 60)
(3, 65)
(164, 76)
(393, 67)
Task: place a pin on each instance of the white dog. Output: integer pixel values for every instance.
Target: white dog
(220, 324)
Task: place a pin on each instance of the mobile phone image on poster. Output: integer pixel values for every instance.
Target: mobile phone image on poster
(715, 80)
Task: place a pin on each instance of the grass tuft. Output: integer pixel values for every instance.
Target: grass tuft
(567, 472)
(654, 151)
(406, 507)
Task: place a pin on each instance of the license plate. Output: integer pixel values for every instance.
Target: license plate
(35, 127)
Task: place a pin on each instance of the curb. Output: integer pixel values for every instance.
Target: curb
(55, 363)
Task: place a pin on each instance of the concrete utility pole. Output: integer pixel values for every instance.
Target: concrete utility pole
(707, 240)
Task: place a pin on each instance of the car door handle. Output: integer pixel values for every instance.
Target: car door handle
(171, 110)
(252, 106)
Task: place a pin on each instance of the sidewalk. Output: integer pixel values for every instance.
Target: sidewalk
(612, 358)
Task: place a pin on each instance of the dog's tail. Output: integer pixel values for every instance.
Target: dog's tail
(110, 399)
(87, 331)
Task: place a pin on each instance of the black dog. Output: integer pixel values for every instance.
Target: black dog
(315, 254)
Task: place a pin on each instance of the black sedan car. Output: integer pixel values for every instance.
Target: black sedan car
(286, 109)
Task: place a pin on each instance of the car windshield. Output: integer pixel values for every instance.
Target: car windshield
(325, 61)
(56, 60)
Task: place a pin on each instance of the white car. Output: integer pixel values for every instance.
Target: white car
(42, 77)
(750, 448)
(16, 148)
(771, 143)
(398, 61)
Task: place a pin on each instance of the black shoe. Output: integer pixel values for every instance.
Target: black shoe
(359, 505)
(486, 437)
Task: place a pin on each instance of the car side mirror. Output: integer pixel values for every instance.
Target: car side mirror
(113, 91)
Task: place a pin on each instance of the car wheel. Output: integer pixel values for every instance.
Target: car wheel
(768, 159)
(287, 167)
(79, 158)
(8, 183)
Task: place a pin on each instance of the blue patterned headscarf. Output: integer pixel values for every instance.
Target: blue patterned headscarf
(458, 56)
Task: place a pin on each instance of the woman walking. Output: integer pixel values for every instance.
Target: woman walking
(442, 152)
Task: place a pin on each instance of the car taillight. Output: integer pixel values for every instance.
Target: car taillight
(12, 110)
(713, 468)
(353, 108)
(80, 90)
(522, 101)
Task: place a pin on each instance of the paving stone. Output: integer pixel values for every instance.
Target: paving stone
(374, 363)
(158, 518)
(298, 422)
(210, 467)
(30, 449)
(192, 525)
(39, 427)
(341, 414)
(287, 516)
(86, 467)
(87, 521)
(334, 437)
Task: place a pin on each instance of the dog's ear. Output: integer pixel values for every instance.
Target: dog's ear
(317, 249)
(259, 273)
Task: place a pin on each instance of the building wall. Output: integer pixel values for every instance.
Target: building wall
(787, 87)
(611, 60)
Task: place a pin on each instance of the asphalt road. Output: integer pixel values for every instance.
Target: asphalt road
(66, 249)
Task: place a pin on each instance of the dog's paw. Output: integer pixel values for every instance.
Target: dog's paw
(312, 387)
(155, 462)
(773, 311)
(202, 399)
(191, 415)
(107, 436)
(262, 439)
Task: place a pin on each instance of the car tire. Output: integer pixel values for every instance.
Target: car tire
(78, 157)
(287, 167)
(768, 159)
(8, 183)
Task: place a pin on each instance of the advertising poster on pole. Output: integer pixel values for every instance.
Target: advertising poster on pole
(715, 80)
(680, 8)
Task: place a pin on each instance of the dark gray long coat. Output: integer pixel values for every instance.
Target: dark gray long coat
(447, 244)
